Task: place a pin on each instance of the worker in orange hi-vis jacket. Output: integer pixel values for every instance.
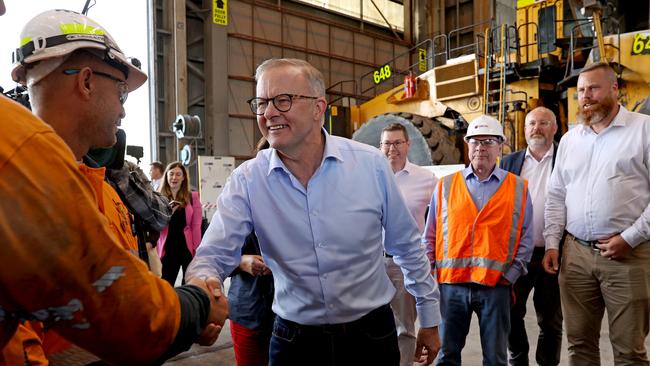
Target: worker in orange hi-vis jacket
(62, 264)
(30, 341)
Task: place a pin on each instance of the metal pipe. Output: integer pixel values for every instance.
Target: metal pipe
(599, 35)
(386, 20)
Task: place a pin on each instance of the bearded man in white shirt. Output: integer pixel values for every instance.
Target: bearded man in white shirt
(535, 164)
(599, 193)
(416, 185)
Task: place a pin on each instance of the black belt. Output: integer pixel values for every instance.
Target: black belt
(588, 243)
(372, 317)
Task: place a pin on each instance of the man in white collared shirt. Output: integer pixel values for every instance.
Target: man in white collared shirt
(416, 185)
(156, 173)
(535, 164)
(599, 192)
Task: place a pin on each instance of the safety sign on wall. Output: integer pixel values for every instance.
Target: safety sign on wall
(422, 59)
(220, 12)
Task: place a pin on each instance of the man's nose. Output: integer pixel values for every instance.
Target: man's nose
(270, 110)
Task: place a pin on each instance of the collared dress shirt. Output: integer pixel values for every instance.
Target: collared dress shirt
(481, 192)
(600, 185)
(537, 174)
(323, 243)
(416, 185)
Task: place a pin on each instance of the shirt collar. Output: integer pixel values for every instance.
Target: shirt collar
(548, 154)
(408, 168)
(331, 151)
(498, 173)
(619, 120)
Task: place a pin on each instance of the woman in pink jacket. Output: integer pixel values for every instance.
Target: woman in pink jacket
(178, 241)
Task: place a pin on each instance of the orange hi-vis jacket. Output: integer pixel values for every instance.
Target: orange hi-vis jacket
(110, 204)
(61, 262)
(475, 246)
(30, 342)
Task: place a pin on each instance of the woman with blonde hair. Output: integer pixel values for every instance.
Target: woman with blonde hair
(178, 241)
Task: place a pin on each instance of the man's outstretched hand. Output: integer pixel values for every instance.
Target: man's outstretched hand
(218, 309)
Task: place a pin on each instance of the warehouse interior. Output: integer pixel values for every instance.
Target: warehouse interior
(432, 66)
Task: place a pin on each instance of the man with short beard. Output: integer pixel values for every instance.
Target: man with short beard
(599, 193)
(535, 164)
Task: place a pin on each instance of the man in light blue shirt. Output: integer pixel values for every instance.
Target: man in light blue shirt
(318, 204)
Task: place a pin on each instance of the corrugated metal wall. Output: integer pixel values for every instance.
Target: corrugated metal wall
(212, 76)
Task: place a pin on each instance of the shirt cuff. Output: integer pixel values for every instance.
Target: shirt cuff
(633, 237)
(552, 243)
(512, 274)
(204, 267)
(429, 314)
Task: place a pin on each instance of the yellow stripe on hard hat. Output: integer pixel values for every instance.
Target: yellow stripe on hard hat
(72, 29)
(25, 41)
(81, 29)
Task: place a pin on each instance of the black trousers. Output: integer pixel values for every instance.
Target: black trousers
(546, 299)
(370, 340)
(172, 262)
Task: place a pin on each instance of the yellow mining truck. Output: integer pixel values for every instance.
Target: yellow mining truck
(507, 71)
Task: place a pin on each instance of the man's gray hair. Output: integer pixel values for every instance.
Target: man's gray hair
(314, 77)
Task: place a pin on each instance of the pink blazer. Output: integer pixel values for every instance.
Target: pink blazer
(192, 229)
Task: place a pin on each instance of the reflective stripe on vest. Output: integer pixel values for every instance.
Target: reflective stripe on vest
(477, 259)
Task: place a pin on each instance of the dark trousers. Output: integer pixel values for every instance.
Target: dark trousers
(370, 340)
(546, 299)
(172, 262)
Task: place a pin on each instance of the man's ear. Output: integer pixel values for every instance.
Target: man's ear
(320, 107)
(85, 83)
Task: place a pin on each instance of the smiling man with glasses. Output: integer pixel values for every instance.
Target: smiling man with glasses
(416, 185)
(318, 204)
(479, 239)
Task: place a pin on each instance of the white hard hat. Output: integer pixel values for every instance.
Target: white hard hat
(485, 125)
(57, 33)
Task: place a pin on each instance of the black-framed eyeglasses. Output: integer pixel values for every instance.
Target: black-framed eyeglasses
(281, 102)
(395, 144)
(122, 86)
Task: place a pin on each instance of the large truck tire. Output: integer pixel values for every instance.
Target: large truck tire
(431, 142)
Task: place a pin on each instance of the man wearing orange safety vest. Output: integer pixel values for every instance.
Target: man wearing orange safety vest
(479, 241)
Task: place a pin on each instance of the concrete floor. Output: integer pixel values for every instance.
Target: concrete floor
(221, 353)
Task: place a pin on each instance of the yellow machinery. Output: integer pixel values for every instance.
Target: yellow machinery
(511, 69)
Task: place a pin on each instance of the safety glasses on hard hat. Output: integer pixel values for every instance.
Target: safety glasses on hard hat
(122, 86)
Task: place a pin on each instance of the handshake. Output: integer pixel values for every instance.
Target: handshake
(218, 309)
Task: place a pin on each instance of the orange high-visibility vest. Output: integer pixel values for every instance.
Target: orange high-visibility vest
(472, 245)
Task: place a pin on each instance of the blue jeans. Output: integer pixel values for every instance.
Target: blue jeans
(491, 305)
(370, 340)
